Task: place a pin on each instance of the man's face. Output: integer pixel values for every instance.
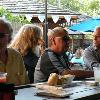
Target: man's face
(96, 38)
(62, 43)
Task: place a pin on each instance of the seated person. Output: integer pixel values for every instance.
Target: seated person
(78, 57)
(92, 53)
(54, 59)
(10, 60)
(28, 42)
(69, 55)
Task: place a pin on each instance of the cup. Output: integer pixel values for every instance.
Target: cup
(3, 77)
(67, 79)
(96, 74)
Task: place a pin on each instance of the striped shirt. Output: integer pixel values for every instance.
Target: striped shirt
(91, 57)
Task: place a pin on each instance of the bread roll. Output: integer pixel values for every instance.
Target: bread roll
(53, 79)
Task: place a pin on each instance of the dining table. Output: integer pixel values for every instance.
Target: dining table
(78, 90)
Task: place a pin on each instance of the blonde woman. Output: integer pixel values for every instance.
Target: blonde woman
(28, 42)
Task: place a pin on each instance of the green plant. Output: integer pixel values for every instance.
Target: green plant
(9, 16)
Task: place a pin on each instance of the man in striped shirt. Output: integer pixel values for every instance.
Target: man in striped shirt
(92, 53)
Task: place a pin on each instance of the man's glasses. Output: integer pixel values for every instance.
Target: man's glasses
(2, 35)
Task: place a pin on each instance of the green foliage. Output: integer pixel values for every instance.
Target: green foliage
(70, 4)
(2, 11)
(9, 16)
(89, 7)
(22, 19)
(88, 36)
(52, 2)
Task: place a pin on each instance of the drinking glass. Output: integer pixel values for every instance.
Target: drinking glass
(3, 77)
(97, 74)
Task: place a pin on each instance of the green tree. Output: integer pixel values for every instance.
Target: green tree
(2, 11)
(70, 4)
(89, 7)
(9, 16)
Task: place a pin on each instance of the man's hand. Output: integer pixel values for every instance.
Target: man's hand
(79, 73)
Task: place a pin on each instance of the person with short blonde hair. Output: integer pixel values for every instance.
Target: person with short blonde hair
(28, 42)
(54, 59)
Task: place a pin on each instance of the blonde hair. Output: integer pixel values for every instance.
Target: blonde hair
(29, 36)
(57, 31)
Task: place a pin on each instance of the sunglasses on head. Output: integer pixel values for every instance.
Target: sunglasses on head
(2, 34)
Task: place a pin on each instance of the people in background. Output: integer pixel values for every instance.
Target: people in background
(54, 59)
(78, 57)
(28, 42)
(11, 61)
(92, 53)
(69, 54)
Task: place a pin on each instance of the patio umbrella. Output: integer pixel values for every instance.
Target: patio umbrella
(86, 26)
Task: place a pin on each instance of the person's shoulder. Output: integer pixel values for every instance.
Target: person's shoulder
(13, 52)
(89, 51)
(50, 53)
(73, 59)
(90, 48)
(47, 50)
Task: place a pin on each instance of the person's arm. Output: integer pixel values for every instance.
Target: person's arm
(91, 59)
(79, 73)
(23, 77)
